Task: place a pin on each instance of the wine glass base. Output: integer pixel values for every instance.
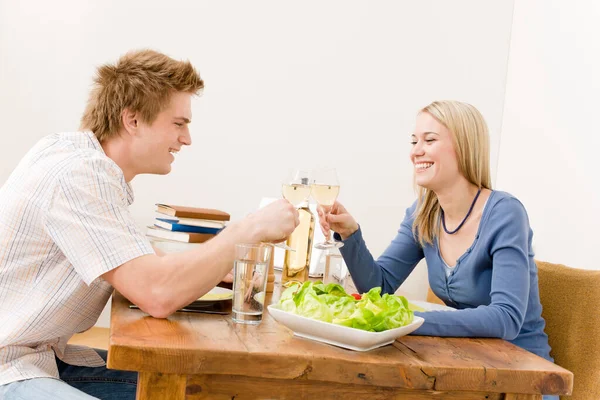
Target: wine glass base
(327, 245)
(284, 247)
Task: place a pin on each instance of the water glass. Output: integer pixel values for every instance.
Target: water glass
(250, 274)
(335, 270)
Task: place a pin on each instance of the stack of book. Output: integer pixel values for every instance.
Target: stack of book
(187, 224)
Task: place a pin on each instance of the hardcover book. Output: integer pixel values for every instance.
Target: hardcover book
(178, 227)
(192, 212)
(206, 223)
(187, 237)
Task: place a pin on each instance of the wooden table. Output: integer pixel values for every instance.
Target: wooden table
(201, 356)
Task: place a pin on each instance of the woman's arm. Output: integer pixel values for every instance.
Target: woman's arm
(392, 268)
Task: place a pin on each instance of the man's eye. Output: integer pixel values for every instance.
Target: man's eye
(178, 124)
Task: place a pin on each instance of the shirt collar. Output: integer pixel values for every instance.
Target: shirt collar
(94, 143)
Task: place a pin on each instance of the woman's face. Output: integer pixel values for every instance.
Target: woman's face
(433, 155)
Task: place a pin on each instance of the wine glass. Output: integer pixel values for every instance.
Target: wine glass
(325, 188)
(295, 189)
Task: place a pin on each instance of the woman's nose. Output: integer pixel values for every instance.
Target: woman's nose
(417, 149)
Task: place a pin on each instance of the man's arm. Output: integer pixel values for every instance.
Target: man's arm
(160, 285)
(158, 251)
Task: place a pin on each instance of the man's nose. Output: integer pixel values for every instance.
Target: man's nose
(186, 138)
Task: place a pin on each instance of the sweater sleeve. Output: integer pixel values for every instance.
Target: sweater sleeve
(393, 267)
(508, 234)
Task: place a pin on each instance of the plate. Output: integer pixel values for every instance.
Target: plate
(431, 306)
(260, 297)
(338, 335)
(217, 293)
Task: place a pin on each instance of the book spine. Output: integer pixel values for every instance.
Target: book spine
(185, 237)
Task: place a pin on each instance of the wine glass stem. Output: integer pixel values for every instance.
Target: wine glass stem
(328, 238)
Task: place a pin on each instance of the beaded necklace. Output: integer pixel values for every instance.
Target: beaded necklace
(463, 221)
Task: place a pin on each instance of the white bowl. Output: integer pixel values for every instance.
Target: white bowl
(338, 335)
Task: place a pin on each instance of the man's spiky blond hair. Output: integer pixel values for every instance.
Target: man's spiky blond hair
(141, 81)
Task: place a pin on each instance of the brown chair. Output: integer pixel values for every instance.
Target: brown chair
(570, 299)
(432, 298)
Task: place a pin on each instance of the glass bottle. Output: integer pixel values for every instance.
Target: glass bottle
(296, 264)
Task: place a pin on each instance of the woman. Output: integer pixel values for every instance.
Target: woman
(476, 241)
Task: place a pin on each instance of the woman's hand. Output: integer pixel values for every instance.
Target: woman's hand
(338, 220)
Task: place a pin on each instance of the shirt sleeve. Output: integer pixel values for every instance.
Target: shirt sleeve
(509, 239)
(392, 268)
(89, 220)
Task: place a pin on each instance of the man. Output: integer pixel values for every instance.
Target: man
(67, 238)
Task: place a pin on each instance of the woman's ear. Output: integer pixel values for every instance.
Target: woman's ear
(130, 121)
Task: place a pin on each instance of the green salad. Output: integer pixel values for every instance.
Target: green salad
(331, 303)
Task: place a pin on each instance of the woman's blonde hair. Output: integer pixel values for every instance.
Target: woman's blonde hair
(472, 146)
(141, 81)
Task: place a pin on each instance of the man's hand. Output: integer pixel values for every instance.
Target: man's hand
(274, 222)
(228, 278)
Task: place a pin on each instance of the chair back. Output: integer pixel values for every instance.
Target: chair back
(570, 299)
(432, 298)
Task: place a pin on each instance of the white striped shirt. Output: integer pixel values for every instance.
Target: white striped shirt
(64, 221)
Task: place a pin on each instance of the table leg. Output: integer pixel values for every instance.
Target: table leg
(157, 386)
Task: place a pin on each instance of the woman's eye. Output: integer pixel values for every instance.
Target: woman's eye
(413, 142)
(430, 140)
(179, 124)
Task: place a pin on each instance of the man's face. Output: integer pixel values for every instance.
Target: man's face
(158, 143)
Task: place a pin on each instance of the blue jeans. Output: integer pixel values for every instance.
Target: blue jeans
(76, 383)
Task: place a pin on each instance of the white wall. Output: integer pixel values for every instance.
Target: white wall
(288, 84)
(550, 131)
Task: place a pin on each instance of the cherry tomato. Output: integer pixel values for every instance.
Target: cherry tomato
(356, 296)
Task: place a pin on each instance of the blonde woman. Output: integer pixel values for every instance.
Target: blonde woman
(476, 241)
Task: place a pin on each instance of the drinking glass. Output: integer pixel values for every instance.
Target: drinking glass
(325, 188)
(296, 187)
(335, 270)
(250, 275)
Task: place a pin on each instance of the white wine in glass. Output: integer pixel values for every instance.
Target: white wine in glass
(296, 193)
(325, 188)
(325, 195)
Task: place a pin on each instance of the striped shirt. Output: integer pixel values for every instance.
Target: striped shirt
(64, 221)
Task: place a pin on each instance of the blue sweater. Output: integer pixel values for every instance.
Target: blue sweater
(494, 284)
